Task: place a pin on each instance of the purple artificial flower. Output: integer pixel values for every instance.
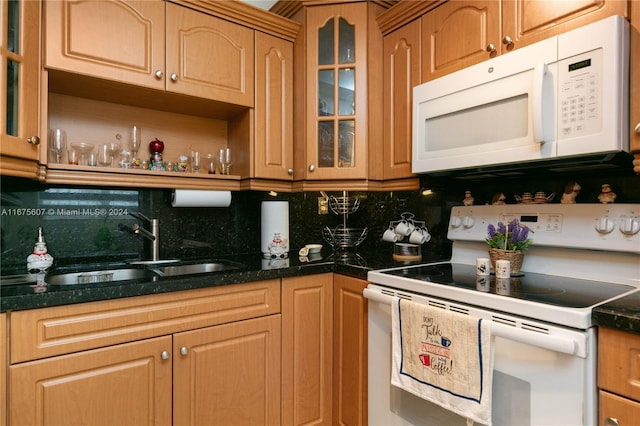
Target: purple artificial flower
(492, 230)
(501, 228)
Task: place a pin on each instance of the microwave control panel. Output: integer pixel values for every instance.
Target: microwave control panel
(580, 86)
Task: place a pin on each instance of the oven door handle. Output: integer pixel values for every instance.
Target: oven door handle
(533, 338)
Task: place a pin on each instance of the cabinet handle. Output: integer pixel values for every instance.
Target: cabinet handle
(174, 77)
(491, 48)
(637, 129)
(311, 167)
(184, 350)
(34, 140)
(164, 355)
(611, 421)
(508, 41)
(159, 74)
(290, 171)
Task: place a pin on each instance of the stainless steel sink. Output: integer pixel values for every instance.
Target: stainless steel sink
(195, 268)
(94, 277)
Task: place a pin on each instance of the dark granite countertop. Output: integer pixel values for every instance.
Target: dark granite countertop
(19, 297)
(621, 314)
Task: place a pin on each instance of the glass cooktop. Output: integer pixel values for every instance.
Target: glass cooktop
(540, 288)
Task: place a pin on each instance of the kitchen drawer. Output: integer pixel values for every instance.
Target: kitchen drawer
(46, 332)
(616, 410)
(619, 362)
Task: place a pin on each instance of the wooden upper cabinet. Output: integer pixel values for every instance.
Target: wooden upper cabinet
(634, 80)
(336, 91)
(209, 57)
(401, 60)
(139, 42)
(274, 108)
(525, 22)
(19, 79)
(123, 41)
(458, 34)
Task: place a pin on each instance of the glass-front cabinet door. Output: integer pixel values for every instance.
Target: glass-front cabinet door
(337, 108)
(19, 56)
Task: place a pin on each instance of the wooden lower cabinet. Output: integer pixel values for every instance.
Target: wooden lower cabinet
(3, 369)
(127, 384)
(228, 374)
(307, 349)
(349, 351)
(618, 366)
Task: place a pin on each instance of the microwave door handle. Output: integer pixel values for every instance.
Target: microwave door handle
(539, 74)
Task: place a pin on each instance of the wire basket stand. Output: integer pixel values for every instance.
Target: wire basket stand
(342, 236)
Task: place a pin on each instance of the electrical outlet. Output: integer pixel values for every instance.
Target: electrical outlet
(323, 205)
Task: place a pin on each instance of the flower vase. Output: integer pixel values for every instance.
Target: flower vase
(515, 257)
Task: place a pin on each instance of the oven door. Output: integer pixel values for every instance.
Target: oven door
(534, 382)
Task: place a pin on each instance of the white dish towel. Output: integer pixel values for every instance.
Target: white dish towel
(443, 357)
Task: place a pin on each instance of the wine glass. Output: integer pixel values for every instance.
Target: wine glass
(57, 143)
(135, 139)
(113, 148)
(195, 161)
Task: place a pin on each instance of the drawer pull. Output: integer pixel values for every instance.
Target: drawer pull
(611, 421)
(184, 350)
(164, 355)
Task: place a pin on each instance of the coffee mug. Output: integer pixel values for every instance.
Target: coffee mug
(404, 228)
(390, 236)
(418, 237)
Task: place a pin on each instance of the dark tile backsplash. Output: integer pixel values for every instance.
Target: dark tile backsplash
(82, 224)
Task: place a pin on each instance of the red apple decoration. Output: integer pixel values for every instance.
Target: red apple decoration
(156, 145)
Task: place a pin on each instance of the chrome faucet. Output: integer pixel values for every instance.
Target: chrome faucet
(153, 235)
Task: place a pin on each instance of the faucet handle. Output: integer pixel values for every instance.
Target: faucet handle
(141, 216)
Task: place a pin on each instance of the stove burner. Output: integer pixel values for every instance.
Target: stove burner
(547, 289)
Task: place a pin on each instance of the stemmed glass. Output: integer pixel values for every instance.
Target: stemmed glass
(57, 143)
(113, 149)
(135, 141)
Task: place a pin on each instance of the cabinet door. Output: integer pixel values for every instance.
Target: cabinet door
(616, 410)
(527, 21)
(228, 374)
(209, 57)
(401, 74)
(349, 352)
(459, 34)
(619, 362)
(274, 108)
(3, 369)
(634, 81)
(336, 87)
(116, 40)
(128, 384)
(306, 349)
(19, 79)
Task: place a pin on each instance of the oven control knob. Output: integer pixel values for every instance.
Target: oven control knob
(468, 222)
(629, 226)
(604, 225)
(456, 221)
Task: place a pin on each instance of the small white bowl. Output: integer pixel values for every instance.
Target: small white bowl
(314, 248)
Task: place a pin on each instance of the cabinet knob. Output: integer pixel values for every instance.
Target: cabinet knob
(491, 48)
(164, 355)
(184, 350)
(311, 167)
(33, 140)
(611, 421)
(637, 129)
(290, 171)
(159, 74)
(174, 77)
(508, 41)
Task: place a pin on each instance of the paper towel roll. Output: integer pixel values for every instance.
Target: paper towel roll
(200, 198)
(274, 220)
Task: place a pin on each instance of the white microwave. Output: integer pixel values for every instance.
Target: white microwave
(561, 98)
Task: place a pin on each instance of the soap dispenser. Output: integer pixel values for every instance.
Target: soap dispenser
(39, 261)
